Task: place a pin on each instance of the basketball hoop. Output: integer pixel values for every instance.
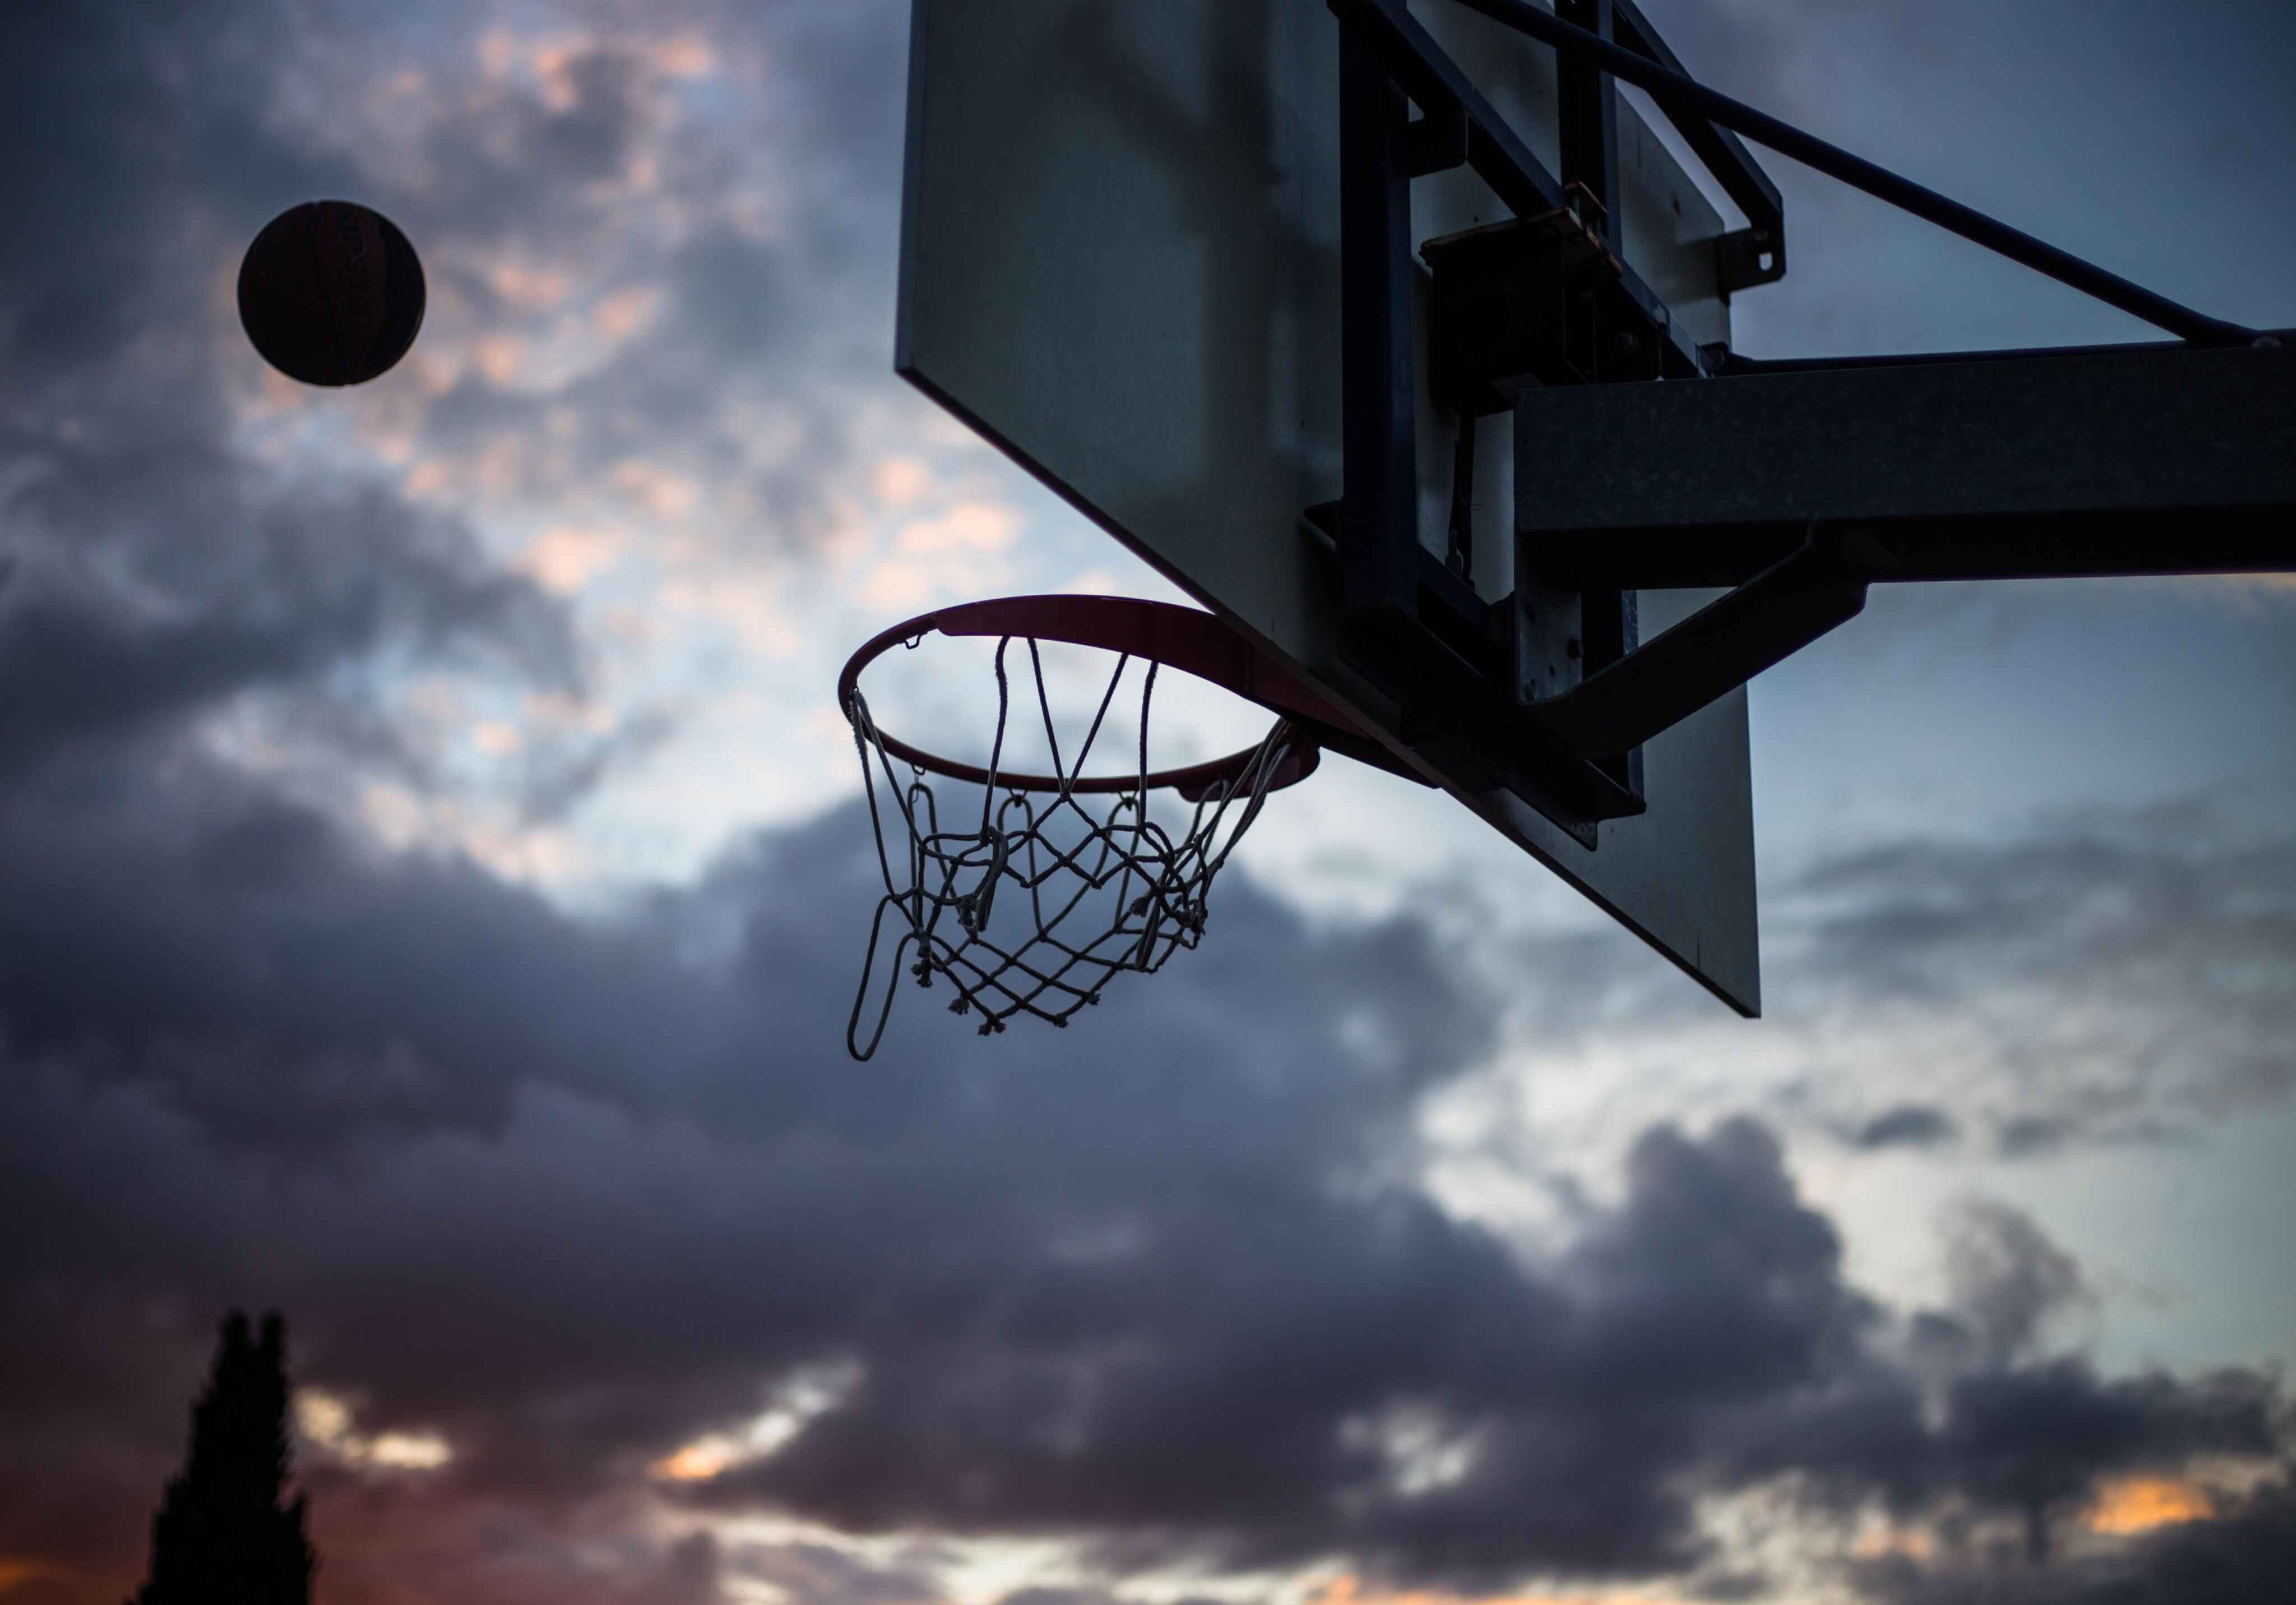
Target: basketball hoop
(1084, 891)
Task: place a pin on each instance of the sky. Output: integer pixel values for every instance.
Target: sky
(433, 876)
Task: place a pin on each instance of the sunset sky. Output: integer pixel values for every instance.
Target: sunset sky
(434, 879)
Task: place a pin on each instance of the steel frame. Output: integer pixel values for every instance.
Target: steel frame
(1798, 483)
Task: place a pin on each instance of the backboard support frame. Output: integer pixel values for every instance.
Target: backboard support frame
(1589, 704)
(1041, 251)
(1627, 471)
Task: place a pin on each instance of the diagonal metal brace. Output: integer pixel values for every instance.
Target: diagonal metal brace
(1710, 653)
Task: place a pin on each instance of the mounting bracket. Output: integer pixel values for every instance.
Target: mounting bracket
(1644, 462)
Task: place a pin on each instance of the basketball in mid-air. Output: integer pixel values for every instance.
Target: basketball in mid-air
(330, 294)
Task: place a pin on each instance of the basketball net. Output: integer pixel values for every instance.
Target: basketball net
(1033, 904)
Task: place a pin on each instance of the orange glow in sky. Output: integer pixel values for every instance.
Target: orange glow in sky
(2134, 1504)
(1345, 1590)
(695, 1463)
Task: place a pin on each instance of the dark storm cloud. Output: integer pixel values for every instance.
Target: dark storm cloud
(1976, 1418)
(1906, 1126)
(256, 586)
(148, 571)
(852, 1211)
(516, 163)
(289, 987)
(2036, 1440)
(1068, 1326)
(759, 208)
(1142, 1287)
(2171, 932)
(145, 147)
(2008, 1279)
(2242, 1553)
(109, 113)
(233, 945)
(2115, 977)
(570, 1193)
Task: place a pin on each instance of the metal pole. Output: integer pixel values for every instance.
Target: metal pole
(1379, 528)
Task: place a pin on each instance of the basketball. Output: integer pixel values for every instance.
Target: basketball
(330, 294)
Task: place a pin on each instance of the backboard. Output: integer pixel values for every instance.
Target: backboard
(1120, 264)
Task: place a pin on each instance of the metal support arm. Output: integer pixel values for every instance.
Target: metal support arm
(1710, 653)
(1798, 483)
(1803, 488)
(2161, 459)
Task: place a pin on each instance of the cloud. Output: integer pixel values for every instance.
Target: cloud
(818, 1574)
(1975, 1425)
(2114, 975)
(157, 571)
(713, 220)
(2239, 1554)
(186, 543)
(292, 585)
(173, 1042)
(565, 1196)
(2007, 1278)
(555, 1197)
(1064, 1301)
(1906, 1126)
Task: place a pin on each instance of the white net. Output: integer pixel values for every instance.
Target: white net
(1032, 903)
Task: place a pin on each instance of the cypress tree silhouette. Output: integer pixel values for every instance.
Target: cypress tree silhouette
(221, 1534)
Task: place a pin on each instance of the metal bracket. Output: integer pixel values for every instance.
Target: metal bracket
(1543, 298)
(1435, 143)
(1715, 650)
(1747, 257)
(1452, 671)
(1414, 64)
(1744, 258)
(1800, 483)
(1534, 300)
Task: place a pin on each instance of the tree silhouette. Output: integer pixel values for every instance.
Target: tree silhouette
(221, 1532)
